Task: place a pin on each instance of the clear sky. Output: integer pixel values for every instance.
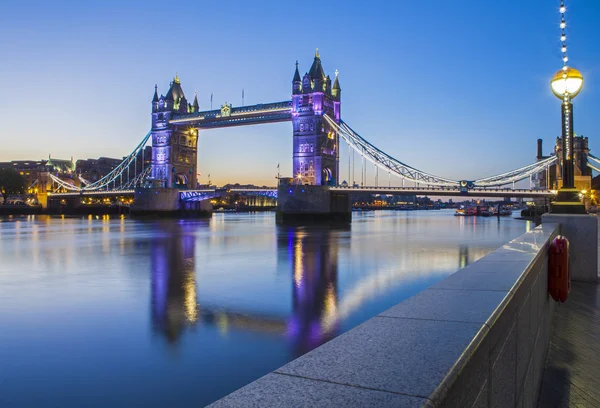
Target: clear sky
(458, 89)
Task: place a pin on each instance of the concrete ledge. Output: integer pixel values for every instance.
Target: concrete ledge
(477, 338)
(277, 390)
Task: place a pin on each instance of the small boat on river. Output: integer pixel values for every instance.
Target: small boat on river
(465, 211)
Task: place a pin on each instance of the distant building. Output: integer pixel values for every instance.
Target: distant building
(94, 169)
(552, 178)
(60, 166)
(36, 174)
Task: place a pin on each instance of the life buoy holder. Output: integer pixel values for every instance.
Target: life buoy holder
(559, 269)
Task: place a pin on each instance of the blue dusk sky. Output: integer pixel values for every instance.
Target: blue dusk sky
(458, 89)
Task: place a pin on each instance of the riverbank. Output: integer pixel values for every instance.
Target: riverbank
(20, 210)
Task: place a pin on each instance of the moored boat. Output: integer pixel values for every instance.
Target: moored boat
(488, 212)
(465, 211)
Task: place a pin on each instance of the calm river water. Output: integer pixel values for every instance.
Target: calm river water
(118, 312)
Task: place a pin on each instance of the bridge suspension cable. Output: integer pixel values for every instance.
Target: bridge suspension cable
(120, 169)
(113, 175)
(594, 158)
(384, 160)
(593, 167)
(84, 181)
(406, 172)
(596, 162)
(515, 175)
(136, 181)
(63, 184)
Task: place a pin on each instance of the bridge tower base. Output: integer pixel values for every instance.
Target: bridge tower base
(166, 203)
(311, 204)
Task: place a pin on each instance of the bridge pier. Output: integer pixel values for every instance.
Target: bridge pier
(167, 203)
(311, 204)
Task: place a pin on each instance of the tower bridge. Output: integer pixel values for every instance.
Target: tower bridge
(314, 111)
(176, 122)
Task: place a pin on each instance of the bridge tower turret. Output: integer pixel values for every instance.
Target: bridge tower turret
(296, 82)
(316, 146)
(174, 148)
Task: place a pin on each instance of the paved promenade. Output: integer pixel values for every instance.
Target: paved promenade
(572, 374)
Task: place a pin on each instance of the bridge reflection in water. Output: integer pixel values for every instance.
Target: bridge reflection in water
(309, 258)
(175, 307)
(314, 287)
(174, 304)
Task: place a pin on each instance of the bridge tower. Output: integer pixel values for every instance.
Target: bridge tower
(174, 148)
(582, 174)
(316, 146)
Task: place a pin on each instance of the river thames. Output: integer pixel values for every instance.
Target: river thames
(120, 312)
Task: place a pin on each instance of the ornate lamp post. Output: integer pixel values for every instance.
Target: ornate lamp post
(566, 84)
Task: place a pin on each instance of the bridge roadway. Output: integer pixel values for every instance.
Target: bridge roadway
(207, 193)
(446, 191)
(427, 191)
(72, 194)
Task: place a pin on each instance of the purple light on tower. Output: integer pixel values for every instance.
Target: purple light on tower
(169, 141)
(316, 147)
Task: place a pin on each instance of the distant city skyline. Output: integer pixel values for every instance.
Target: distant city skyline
(460, 91)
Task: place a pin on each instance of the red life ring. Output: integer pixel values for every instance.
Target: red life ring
(559, 269)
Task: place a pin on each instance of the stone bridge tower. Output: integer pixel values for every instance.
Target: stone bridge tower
(174, 148)
(316, 146)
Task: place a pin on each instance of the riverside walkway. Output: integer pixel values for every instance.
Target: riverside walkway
(572, 373)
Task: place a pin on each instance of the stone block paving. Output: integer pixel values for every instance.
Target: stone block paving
(572, 373)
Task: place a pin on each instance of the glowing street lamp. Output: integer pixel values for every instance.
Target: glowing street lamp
(566, 84)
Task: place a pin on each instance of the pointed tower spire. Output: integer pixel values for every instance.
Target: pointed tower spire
(296, 74)
(336, 90)
(336, 83)
(296, 82)
(196, 105)
(175, 94)
(155, 99)
(316, 70)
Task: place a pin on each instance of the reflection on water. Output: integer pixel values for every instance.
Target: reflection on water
(115, 307)
(173, 277)
(313, 269)
(314, 272)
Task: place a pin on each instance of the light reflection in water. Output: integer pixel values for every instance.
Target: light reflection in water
(174, 304)
(235, 294)
(316, 306)
(313, 319)
(314, 290)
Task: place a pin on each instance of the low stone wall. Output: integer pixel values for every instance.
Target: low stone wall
(478, 338)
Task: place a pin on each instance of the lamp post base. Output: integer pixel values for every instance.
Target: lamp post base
(567, 202)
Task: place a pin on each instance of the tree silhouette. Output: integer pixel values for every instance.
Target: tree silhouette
(11, 182)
